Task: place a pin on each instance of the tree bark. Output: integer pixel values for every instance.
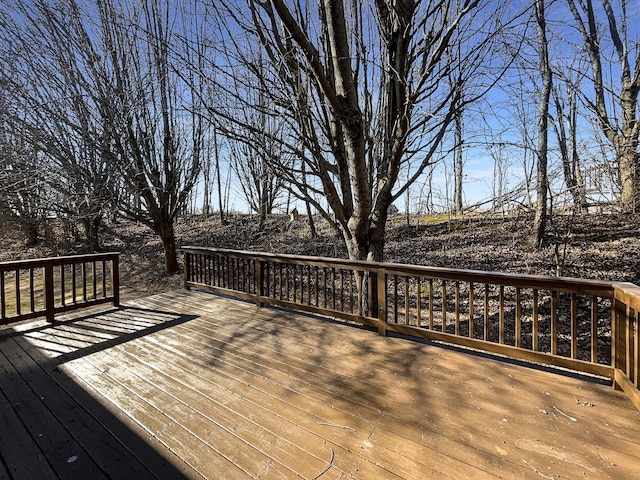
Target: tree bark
(167, 234)
(542, 183)
(623, 134)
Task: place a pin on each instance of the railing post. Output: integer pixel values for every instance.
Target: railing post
(115, 279)
(381, 280)
(619, 322)
(48, 292)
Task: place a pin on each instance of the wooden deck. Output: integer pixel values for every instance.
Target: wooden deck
(191, 385)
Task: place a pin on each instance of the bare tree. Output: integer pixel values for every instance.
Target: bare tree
(542, 182)
(566, 128)
(152, 115)
(260, 187)
(615, 105)
(23, 188)
(110, 70)
(55, 114)
(364, 86)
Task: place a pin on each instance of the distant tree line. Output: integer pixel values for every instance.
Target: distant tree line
(149, 109)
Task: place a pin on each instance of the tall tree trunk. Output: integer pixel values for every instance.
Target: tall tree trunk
(92, 229)
(627, 152)
(542, 184)
(166, 232)
(567, 143)
(30, 230)
(312, 225)
(457, 164)
(216, 153)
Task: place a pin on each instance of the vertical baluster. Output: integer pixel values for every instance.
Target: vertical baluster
(104, 278)
(32, 291)
(95, 278)
(214, 271)
(63, 300)
(301, 285)
(3, 302)
(115, 280)
(324, 287)
(271, 283)
(395, 299)
(457, 308)
(419, 302)
(518, 318)
(501, 315)
(263, 283)
(471, 310)
(631, 320)
(444, 306)
(574, 326)
(341, 280)
(74, 294)
(594, 329)
(350, 291)
(431, 304)
(534, 327)
(636, 351)
(382, 301)
(333, 288)
(84, 281)
(316, 285)
(49, 300)
(309, 284)
(237, 274)
(18, 301)
(554, 322)
(407, 311)
(486, 312)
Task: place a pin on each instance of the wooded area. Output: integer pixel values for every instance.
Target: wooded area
(152, 110)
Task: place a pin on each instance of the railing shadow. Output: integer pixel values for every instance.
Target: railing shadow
(63, 430)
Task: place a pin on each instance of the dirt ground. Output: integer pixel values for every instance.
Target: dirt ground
(603, 247)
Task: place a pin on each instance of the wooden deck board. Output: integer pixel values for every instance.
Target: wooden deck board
(191, 385)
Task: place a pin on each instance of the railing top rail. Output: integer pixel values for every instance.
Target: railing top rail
(37, 262)
(587, 286)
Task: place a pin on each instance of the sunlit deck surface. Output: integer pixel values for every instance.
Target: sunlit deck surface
(192, 385)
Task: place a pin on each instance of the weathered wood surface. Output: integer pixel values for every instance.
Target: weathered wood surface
(191, 385)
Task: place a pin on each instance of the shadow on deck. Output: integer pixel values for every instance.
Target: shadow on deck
(191, 385)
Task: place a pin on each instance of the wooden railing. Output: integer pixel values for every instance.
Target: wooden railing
(584, 325)
(47, 286)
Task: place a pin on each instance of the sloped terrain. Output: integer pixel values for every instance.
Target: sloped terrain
(601, 247)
